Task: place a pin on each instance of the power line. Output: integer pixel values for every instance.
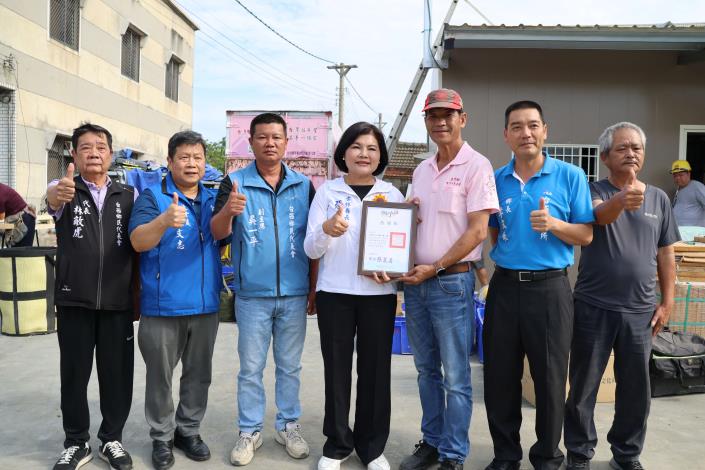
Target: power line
(255, 56)
(477, 10)
(278, 34)
(265, 75)
(359, 95)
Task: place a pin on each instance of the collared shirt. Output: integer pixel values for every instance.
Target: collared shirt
(466, 184)
(565, 190)
(98, 194)
(337, 271)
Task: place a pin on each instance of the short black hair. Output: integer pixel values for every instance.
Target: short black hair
(267, 118)
(188, 137)
(350, 136)
(523, 104)
(86, 128)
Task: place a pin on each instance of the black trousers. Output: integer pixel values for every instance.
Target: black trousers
(111, 335)
(596, 333)
(533, 319)
(340, 318)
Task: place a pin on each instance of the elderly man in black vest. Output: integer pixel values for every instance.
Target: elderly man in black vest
(94, 309)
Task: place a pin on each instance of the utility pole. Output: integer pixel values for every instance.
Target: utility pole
(380, 123)
(342, 70)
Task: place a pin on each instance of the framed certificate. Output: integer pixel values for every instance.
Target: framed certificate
(387, 237)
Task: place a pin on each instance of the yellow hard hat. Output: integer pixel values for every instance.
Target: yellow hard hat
(680, 165)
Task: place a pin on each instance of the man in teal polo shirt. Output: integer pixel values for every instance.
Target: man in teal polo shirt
(545, 209)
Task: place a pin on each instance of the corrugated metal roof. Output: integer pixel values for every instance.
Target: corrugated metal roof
(666, 36)
(404, 154)
(600, 27)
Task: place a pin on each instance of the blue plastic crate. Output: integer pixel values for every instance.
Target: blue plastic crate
(400, 341)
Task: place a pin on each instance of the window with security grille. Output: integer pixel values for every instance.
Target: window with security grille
(131, 54)
(58, 158)
(64, 21)
(586, 157)
(171, 90)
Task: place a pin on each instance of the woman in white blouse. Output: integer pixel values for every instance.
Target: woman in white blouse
(350, 305)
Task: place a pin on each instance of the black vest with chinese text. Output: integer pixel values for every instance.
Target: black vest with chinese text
(94, 256)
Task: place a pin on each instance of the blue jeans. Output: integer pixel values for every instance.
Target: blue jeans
(439, 323)
(260, 319)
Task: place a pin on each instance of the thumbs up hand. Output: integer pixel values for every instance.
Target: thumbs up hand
(541, 220)
(236, 201)
(336, 225)
(631, 196)
(66, 188)
(175, 215)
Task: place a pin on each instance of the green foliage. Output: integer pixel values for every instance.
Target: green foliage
(215, 153)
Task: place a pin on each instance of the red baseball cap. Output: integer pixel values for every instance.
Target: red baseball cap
(443, 98)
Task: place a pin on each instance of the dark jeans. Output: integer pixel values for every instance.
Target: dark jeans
(370, 318)
(596, 333)
(533, 319)
(111, 334)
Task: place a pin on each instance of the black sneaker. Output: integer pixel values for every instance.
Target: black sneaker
(74, 457)
(577, 462)
(630, 465)
(503, 465)
(115, 454)
(451, 465)
(423, 456)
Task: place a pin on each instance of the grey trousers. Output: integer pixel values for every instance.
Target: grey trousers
(596, 332)
(163, 341)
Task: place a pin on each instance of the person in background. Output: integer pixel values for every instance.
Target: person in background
(615, 301)
(354, 312)
(181, 280)
(93, 296)
(689, 199)
(12, 210)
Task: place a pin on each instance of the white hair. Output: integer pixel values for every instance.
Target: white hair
(606, 139)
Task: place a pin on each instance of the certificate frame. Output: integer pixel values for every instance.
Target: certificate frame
(405, 234)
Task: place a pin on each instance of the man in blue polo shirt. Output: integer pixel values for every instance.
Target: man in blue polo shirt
(545, 209)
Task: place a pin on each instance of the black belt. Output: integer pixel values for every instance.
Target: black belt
(530, 276)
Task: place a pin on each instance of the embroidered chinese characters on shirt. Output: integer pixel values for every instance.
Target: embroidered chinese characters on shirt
(547, 200)
(292, 217)
(79, 212)
(255, 224)
(118, 223)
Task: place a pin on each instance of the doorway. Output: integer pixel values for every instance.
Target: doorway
(692, 148)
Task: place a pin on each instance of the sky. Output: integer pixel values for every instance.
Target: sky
(242, 65)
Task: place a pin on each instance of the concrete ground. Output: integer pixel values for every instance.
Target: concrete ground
(31, 435)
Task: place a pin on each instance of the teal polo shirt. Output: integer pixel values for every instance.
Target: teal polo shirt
(565, 189)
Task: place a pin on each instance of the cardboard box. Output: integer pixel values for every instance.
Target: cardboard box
(605, 393)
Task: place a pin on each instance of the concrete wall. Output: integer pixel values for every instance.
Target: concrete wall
(58, 87)
(581, 92)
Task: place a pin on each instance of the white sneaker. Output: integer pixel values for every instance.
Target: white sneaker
(325, 463)
(380, 463)
(245, 447)
(296, 445)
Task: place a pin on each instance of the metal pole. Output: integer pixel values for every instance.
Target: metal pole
(342, 70)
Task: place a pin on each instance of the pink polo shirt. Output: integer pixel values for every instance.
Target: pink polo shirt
(464, 185)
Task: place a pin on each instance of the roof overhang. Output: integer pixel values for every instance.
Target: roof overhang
(180, 13)
(687, 40)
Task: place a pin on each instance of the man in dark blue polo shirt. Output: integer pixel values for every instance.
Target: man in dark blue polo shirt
(545, 210)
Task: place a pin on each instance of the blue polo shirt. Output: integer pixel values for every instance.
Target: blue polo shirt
(565, 190)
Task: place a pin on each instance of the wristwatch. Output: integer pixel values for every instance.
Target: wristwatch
(439, 269)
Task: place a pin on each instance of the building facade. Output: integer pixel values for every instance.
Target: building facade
(586, 78)
(126, 65)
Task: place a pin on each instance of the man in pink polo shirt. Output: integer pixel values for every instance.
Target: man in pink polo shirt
(455, 192)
